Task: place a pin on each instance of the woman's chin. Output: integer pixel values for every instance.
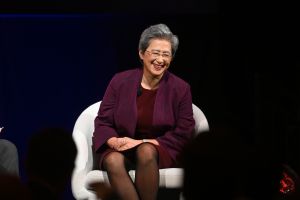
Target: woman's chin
(157, 71)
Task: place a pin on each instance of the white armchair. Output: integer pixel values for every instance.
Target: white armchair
(84, 172)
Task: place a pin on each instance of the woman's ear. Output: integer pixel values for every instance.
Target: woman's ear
(141, 54)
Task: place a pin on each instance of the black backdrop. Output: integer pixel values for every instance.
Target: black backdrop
(57, 60)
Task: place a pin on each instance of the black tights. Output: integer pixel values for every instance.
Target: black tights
(146, 175)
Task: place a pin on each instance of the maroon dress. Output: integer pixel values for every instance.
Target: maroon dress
(144, 129)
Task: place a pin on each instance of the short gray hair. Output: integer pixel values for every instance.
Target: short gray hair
(158, 31)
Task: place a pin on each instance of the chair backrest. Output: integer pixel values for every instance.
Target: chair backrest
(84, 128)
(201, 123)
(82, 135)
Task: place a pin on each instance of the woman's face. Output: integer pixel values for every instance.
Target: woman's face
(157, 57)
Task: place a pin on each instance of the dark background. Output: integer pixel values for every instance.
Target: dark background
(241, 60)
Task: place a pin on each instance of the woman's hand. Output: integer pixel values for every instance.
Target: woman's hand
(125, 143)
(115, 142)
(128, 143)
(122, 144)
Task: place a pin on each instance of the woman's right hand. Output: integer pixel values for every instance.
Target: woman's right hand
(115, 143)
(122, 144)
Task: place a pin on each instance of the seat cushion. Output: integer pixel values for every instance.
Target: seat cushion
(96, 176)
(169, 178)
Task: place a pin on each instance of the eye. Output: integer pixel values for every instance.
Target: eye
(166, 55)
(156, 54)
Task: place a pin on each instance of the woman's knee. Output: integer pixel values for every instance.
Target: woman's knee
(146, 153)
(113, 160)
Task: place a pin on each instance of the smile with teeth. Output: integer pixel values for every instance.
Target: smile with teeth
(158, 67)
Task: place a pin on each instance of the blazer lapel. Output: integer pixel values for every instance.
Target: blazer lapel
(127, 111)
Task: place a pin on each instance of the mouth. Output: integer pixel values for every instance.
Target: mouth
(158, 67)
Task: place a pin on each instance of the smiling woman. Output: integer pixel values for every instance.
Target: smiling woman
(155, 62)
(150, 132)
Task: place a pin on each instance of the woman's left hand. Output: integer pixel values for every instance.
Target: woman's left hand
(128, 143)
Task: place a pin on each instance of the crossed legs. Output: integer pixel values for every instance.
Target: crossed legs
(147, 174)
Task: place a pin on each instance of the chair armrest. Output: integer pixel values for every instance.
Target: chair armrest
(83, 164)
(171, 177)
(84, 160)
(78, 186)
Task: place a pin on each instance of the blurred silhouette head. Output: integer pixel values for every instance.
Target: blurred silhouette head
(218, 165)
(50, 157)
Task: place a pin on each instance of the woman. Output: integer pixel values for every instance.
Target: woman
(145, 118)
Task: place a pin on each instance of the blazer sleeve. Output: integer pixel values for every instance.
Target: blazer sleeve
(174, 140)
(104, 122)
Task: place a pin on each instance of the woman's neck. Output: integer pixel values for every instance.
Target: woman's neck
(149, 82)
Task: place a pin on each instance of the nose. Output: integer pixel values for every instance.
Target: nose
(160, 59)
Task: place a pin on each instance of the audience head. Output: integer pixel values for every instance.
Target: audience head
(218, 165)
(50, 157)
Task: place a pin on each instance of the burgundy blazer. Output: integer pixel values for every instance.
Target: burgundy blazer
(172, 116)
